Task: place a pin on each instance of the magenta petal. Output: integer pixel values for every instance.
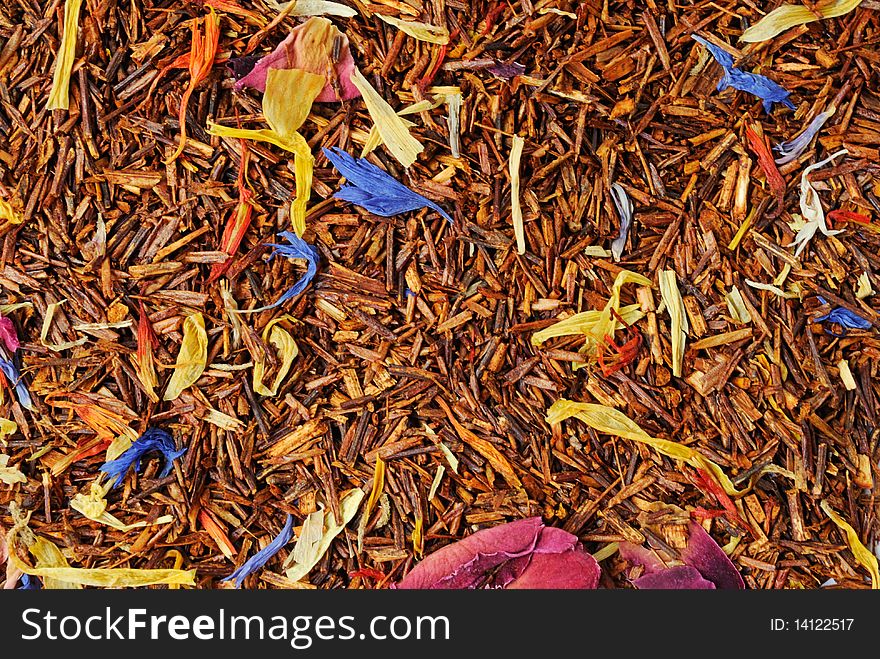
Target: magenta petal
(680, 577)
(288, 55)
(555, 541)
(703, 553)
(8, 335)
(277, 59)
(574, 569)
(642, 556)
(344, 69)
(509, 572)
(464, 564)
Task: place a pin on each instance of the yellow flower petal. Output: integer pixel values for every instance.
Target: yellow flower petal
(403, 146)
(289, 97)
(677, 316)
(7, 427)
(610, 421)
(58, 97)
(303, 167)
(57, 573)
(378, 486)
(287, 349)
(788, 16)
(862, 554)
(312, 552)
(515, 207)
(420, 31)
(191, 359)
(585, 323)
(9, 213)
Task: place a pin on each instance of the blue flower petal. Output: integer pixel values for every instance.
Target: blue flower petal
(29, 583)
(14, 377)
(262, 557)
(843, 317)
(753, 83)
(374, 189)
(297, 249)
(154, 439)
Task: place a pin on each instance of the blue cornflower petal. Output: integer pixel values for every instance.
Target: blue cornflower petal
(28, 583)
(843, 317)
(297, 249)
(790, 150)
(374, 189)
(753, 83)
(14, 377)
(262, 557)
(154, 439)
(721, 56)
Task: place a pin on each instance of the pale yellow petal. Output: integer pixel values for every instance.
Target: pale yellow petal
(287, 350)
(10, 475)
(862, 554)
(7, 427)
(678, 322)
(192, 358)
(420, 31)
(515, 207)
(47, 323)
(349, 504)
(585, 323)
(396, 136)
(788, 16)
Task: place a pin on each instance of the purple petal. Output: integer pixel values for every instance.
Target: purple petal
(241, 66)
(297, 249)
(720, 55)
(704, 554)
(844, 317)
(13, 375)
(464, 564)
(680, 577)
(506, 71)
(753, 83)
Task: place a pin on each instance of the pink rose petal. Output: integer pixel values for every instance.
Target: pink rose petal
(8, 335)
(703, 553)
(642, 556)
(521, 554)
(574, 569)
(680, 577)
(298, 51)
(464, 564)
(702, 556)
